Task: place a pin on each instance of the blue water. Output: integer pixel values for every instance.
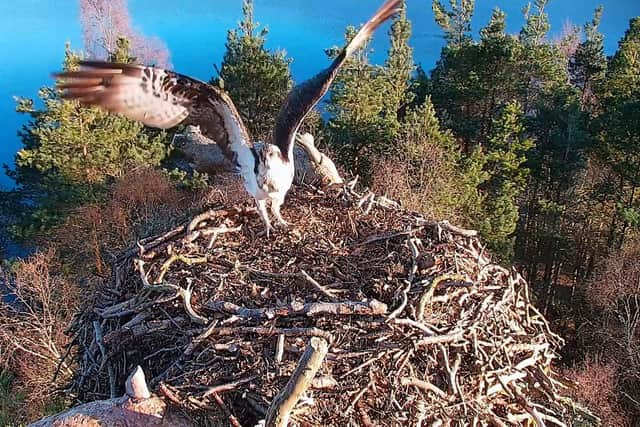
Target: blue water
(33, 34)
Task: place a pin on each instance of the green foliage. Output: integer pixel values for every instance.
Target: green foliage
(362, 123)
(589, 63)
(70, 154)
(83, 145)
(429, 158)
(367, 102)
(257, 80)
(377, 126)
(456, 23)
(623, 77)
(399, 66)
(505, 155)
(473, 86)
(184, 180)
(618, 130)
(536, 24)
(470, 84)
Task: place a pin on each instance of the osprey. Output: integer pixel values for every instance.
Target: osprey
(163, 99)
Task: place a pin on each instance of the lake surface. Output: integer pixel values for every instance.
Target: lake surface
(33, 35)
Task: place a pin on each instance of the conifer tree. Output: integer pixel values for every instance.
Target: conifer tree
(456, 22)
(399, 64)
(618, 130)
(505, 155)
(359, 126)
(430, 160)
(543, 67)
(367, 103)
(536, 25)
(70, 152)
(257, 80)
(471, 83)
(589, 63)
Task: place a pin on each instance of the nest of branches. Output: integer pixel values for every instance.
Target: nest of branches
(361, 313)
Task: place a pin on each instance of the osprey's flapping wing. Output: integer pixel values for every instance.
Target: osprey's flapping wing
(159, 98)
(306, 95)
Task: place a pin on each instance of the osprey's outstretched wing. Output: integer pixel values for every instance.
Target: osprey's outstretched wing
(159, 98)
(306, 95)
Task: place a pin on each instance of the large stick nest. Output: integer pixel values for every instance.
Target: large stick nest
(422, 328)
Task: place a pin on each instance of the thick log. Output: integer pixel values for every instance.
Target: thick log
(344, 308)
(204, 155)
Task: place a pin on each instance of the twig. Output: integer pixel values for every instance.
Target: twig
(310, 362)
(103, 351)
(363, 365)
(259, 330)
(446, 225)
(228, 386)
(232, 418)
(357, 397)
(168, 392)
(423, 385)
(403, 304)
(173, 258)
(280, 348)
(385, 237)
(424, 328)
(326, 291)
(441, 339)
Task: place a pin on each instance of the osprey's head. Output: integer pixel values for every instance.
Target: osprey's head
(274, 170)
(271, 153)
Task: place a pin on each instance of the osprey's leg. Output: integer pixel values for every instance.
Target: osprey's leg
(275, 209)
(264, 216)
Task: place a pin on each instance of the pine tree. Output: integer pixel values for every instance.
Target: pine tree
(589, 63)
(505, 155)
(456, 23)
(399, 64)
(623, 77)
(618, 130)
(70, 152)
(543, 67)
(368, 103)
(257, 80)
(360, 126)
(536, 25)
(471, 84)
(428, 158)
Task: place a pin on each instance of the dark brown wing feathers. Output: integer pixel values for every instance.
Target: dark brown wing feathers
(306, 95)
(163, 99)
(157, 98)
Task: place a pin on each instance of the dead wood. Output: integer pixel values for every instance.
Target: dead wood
(345, 308)
(310, 362)
(311, 166)
(419, 325)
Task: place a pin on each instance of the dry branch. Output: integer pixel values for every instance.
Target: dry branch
(344, 308)
(309, 364)
(418, 325)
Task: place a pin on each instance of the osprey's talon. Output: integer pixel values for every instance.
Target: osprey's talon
(266, 232)
(282, 224)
